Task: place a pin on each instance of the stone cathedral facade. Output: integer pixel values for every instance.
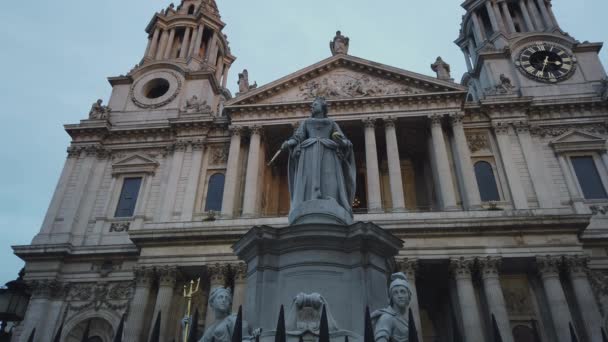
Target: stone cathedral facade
(497, 184)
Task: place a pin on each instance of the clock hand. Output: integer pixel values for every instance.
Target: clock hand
(545, 64)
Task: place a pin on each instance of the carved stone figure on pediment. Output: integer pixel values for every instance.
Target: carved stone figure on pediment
(392, 322)
(194, 105)
(505, 87)
(346, 85)
(220, 301)
(99, 111)
(243, 83)
(442, 69)
(339, 46)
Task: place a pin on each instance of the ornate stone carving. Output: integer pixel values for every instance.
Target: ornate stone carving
(435, 119)
(99, 111)
(339, 45)
(348, 86)
(518, 301)
(220, 301)
(489, 266)
(391, 323)
(521, 126)
(144, 276)
(236, 130)
(119, 227)
(196, 105)
(456, 118)
(409, 267)
(218, 273)
(501, 128)
(257, 130)
(141, 101)
(478, 142)
(369, 123)
(442, 69)
(555, 131)
(219, 155)
(577, 265)
(111, 296)
(461, 267)
(548, 266)
(49, 289)
(599, 284)
(239, 271)
(599, 209)
(243, 83)
(505, 87)
(389, 122)
(167, 276)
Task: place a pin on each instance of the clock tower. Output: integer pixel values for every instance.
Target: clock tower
(517, 48)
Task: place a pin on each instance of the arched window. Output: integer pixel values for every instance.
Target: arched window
(215, 192)
(486, 182)
(191, 9)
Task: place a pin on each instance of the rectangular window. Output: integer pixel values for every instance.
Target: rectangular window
(588, 177)
(128, 197)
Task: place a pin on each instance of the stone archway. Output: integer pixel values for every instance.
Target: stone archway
(100, 330)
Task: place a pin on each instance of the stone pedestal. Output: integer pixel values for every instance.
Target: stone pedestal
(347, 265)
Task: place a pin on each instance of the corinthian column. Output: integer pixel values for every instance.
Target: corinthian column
(548, 268)
(394, 165)
(471, 321)
(134, 326)
(577, 268)
(444, 173)
(409, 268)
(496, 300)
(232, 172)
(38, 307)
(217, 278)
(374, 199)
(240, 285)
(472, 200)
(167, 277)
(252, 177)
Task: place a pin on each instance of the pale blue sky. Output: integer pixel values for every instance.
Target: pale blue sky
(55, 57)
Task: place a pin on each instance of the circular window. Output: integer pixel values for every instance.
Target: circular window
(156, 88)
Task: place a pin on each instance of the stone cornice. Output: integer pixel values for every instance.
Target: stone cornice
(67, 251)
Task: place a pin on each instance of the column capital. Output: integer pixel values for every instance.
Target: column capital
(548, 266)
(236, 130)
(489, 266)
(456, 119)
(389, 121)
(435, 119)
(576, 265)
(409, 267)
(521, 126)
(240, 272)
(257, 130)
(501, 128)
(144, 276)
(461, 267)
(217, 274)
(167, 276)
(369, 122)
(198, 144)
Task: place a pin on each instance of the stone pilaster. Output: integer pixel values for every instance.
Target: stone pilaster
(545, 14)
(183, 52)
(39, 307)
(167, 277)
(394, 165)
(527, 19)
(409, 267)
(518, 195)
(471, 320)
(489, 267)
(153, 43)
(144, 277)
(232, 172)
(548, 267)
(472, 199)
(164, 37)
(508, 17)
(444, 172)
(169, 47)
(239, 271)
(252, 176)
(587, 305)
(193, 180)
(217, 278)
(170, 189)
(492, 16)
(374, 197)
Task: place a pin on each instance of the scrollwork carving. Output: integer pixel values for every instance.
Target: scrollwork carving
(478, 142)
(111, 296)
(548, 266)
(489, 266)
(119, 227)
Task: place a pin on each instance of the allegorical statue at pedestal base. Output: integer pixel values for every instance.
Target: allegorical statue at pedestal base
(392, 323)
(321, 170)
(222, 329)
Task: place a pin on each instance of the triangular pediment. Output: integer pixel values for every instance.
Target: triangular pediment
(135, 163)
(577, 141)
(576, 136)
(344, 77)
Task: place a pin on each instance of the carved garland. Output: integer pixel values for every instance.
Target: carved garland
(556, 131)
(110, 296)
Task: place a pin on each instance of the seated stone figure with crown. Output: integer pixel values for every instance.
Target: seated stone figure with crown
(222, 329)
(391, 324)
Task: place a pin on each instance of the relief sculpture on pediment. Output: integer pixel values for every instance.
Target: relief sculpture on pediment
(338, 86)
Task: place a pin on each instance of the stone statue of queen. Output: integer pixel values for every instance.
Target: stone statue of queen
(321, 170)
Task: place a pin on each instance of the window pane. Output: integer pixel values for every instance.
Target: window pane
(588, 177)
(128, 197)
(215, 193)
(486, 182)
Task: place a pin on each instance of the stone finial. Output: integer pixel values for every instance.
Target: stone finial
(243, 83)
(339, 46)
(442, 69)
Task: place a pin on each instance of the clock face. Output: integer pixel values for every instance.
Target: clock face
(546, 62)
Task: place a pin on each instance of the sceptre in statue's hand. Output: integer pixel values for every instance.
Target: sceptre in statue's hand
(286, 145)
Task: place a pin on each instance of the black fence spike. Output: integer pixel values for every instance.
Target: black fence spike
(346, 338)
(413, 331)
(85, 336)
(121, 328)
(497, 336)
(280, 334)
(193, 333)
(368, 335)
(324, 328)
(32, 335)
(58, 334)
(573, 336)
(237, 333)
(604, 336)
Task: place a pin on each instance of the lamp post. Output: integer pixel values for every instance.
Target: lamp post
(14, 298)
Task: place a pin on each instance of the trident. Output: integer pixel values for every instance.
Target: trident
(188, 293)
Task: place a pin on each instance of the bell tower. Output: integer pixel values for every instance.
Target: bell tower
(184, 68)
(517, 47)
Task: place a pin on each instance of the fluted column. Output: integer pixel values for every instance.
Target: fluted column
(197, 44)
(535, 15)
(518, 195)
(193, 180)
(394, 165)
(154, 44)
(590, 312)
(492, 15)
(548, 267)
(374, 197)
(496, 301)
(545, 14)
(232, 172)
(144, 276)
(192, 41)
(169, 47)
(509, 19)
(409, 268)
(542, 187)
(162, 44)
(217, 278)
(170, 190)
(527, 19)
(444, 172)
(38, 308)
(240, 285)
(252, 177)
(183, 51)
(477, 29)
(471, 321)
(472, 199)
(167, 277)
